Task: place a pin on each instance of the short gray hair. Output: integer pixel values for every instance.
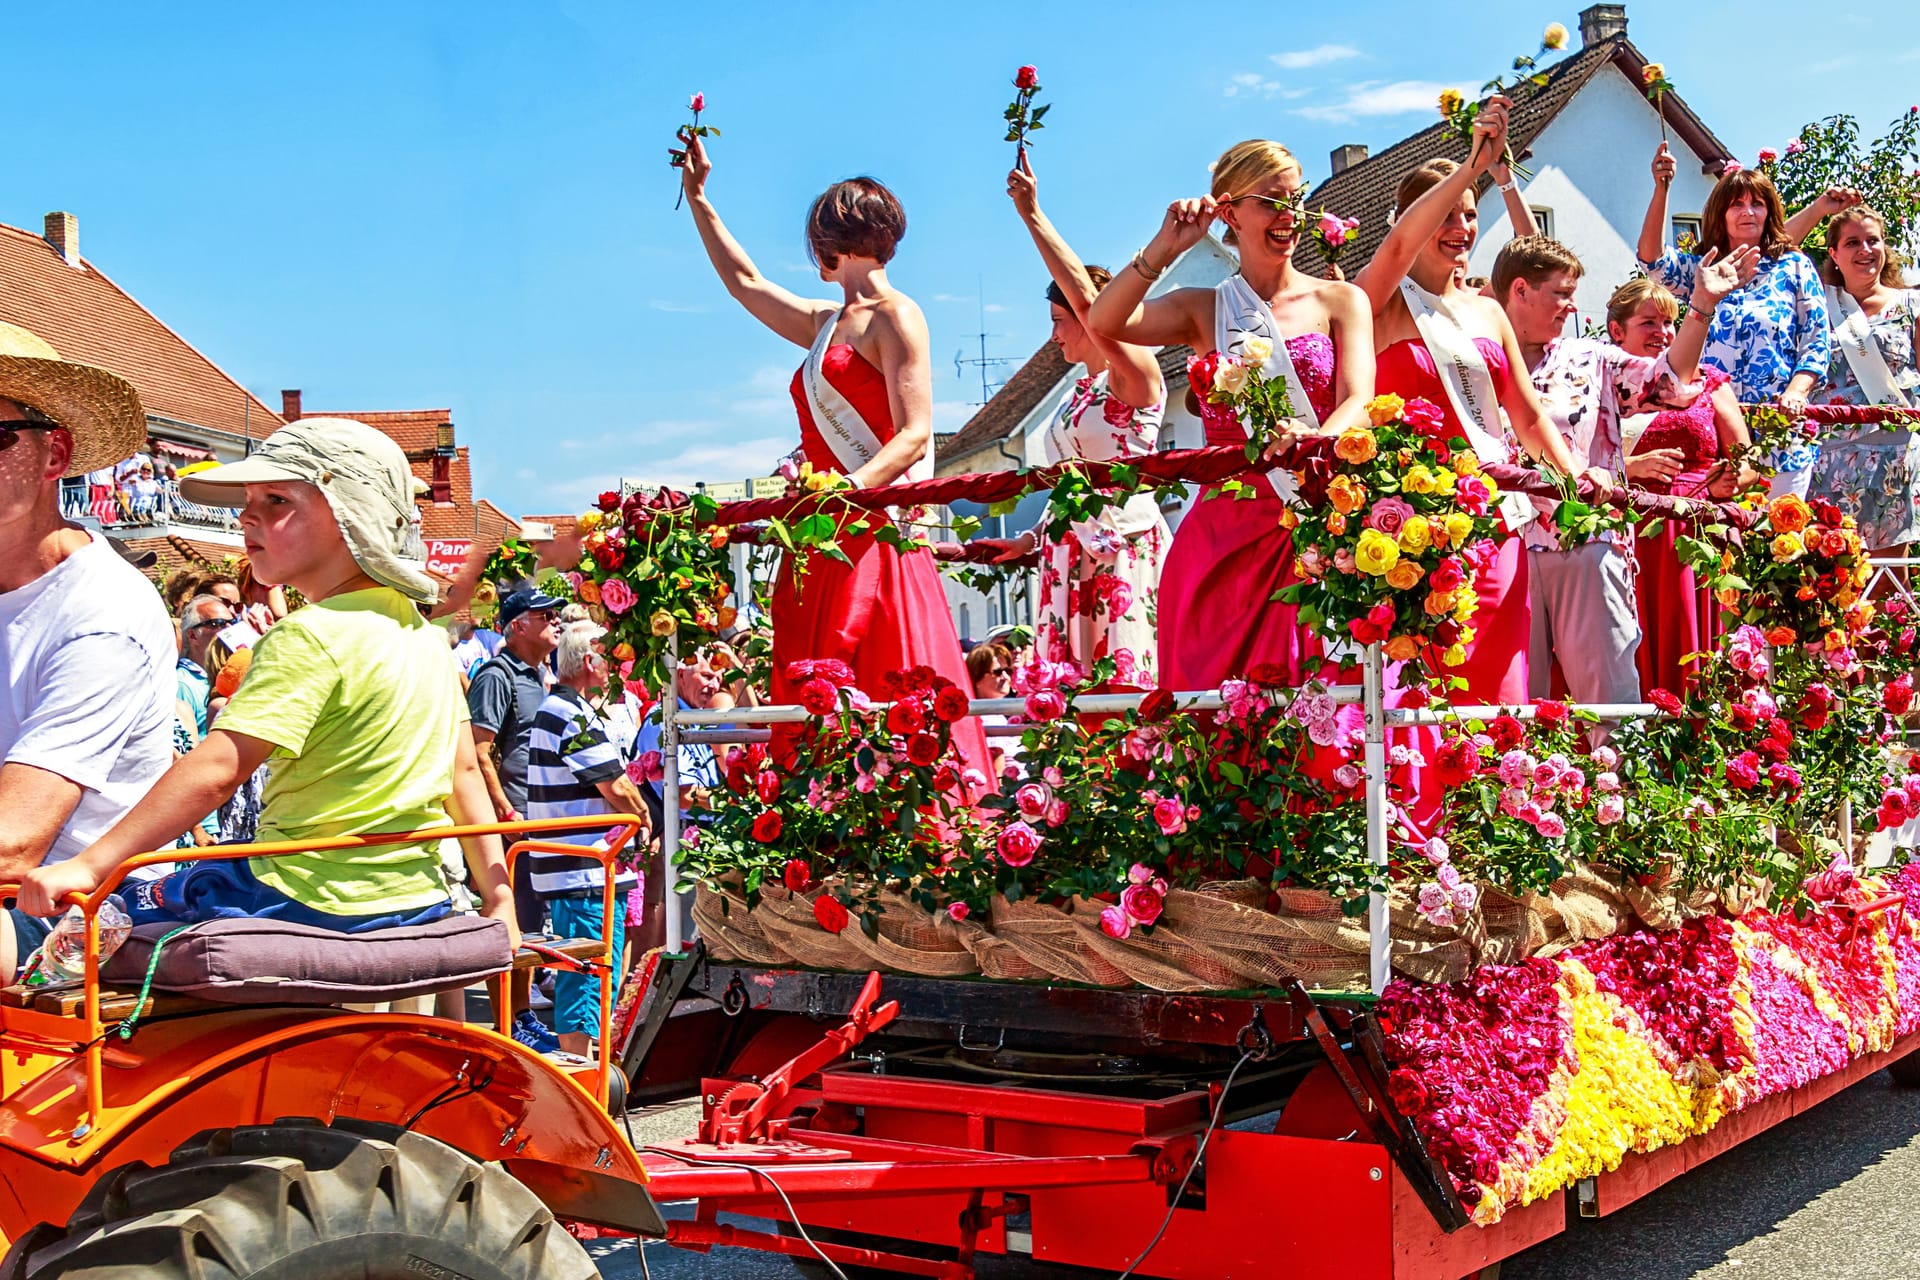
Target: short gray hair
(190, 610)
(577, 640)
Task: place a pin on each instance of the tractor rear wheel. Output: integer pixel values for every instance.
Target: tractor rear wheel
(301, 1200)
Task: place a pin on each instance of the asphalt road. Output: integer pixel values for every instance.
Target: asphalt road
(1829, 1195)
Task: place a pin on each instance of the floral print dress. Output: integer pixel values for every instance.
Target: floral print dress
(1100, 582)
(1871, 473)
(1763, 333)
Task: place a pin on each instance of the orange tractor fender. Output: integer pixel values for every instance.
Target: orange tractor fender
(467, 1086)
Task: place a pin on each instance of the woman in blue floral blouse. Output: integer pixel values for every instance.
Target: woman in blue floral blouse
(1770, 335)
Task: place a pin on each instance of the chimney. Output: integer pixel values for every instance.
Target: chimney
(63, 233)
(1602, 22)
(290, 405)
(1347, 156)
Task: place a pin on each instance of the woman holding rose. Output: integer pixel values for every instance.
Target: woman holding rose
(1218, 615)
(866, 413)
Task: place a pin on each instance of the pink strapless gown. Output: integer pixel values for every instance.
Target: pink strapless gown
(1218, 618)
(884, 611)
(1496, 666)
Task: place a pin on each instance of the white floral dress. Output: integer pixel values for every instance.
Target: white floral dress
(1100, 582)
(1872, 473)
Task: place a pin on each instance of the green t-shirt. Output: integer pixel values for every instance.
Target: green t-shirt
(361, 703)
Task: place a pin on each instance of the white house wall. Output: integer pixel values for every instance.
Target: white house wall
(1593, 168)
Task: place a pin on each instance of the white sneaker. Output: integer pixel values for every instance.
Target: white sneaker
(538, 999)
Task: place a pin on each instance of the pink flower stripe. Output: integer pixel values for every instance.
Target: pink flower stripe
(1525, 1078)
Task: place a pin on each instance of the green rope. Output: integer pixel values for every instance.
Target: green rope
(127, 1024)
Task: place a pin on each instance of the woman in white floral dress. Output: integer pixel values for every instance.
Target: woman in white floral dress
(1871, 473)
(1099, 581)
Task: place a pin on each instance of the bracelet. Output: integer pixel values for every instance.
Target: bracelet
(1508, 185)
(1141, 265)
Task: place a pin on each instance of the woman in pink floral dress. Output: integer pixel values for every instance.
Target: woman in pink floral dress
(1100, 580)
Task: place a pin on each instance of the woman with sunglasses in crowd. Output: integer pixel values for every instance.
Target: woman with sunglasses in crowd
(1218, 617)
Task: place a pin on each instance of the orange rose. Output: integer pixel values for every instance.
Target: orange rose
(1779, 635)
(1345, 493)
(589, 591)
(1356, 445)
(1336, 523)
(1788, 514)
(623, 652)
(717, 536)
(728, 614)
(1403, 649)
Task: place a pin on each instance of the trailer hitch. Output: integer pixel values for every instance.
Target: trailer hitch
(741, 1115)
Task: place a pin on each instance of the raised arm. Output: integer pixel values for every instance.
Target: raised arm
(1519, 212)
(794, 318)
(1713, 280)
(901, 332)
(1123, 313)
(1653, 227)
(1132, 372)
(1350, 316)
(1824, 206)
(1383, 273)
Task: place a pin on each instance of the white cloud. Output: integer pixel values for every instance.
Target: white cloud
(1379, 98)
(1300, 59)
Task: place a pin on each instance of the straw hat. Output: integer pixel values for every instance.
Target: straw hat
(100, 410)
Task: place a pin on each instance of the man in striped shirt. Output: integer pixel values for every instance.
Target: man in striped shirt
(575, 769)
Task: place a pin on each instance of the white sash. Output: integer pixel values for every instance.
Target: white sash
(1854, 337)
(853, 441)
(1469, 386)
(1238, 314)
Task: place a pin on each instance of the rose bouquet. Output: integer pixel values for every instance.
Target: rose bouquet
(1796, 575)
(650, 572)
(1399, 520)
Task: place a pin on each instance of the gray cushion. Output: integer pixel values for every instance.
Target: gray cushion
(248, 961)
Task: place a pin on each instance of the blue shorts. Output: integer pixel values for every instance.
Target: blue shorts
(229, 891)
(576, 997)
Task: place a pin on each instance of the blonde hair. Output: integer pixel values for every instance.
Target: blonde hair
(1891, 270)
(1636, 293)
(1245, 167)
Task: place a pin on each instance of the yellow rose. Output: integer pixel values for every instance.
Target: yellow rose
(1459, 527)
(1383, 409)
(1356, 445)
(1465, 605)
(1653, 71)
(1787, 548)
(1417, 480)
(1834, 641)
(1375, 553)
(1493, 488)
(1455, 655)
(1288, 518)
(1555, 37)
(588, 522)
(1346, 494)
(1861, 572)
(1230, 378)
(661, 623)
(1404, 576)
(1336, 523)
(1438, 604)
(589, 591)
(1451, 100)
(1416, 535)
(1444, 481)
(1256, 351)
(1403, 649)
(485, 593)
(1466, 462)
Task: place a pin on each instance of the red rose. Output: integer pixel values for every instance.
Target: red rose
(950, 704)
(1743, 771)
(1457, 761)
(1740, 717)
(1026, 78)
(1665, 700)
(946, 778)
(1269, 674)
(905, 717)
(608, 502)
(766, 827)
(923, 749)
(1200, 371)
(1425, 417)
(1157, 705)
(1897, 697)
(829, 914)
(796, 875)
(1507, 733)
(1142, 903)
(1017, 844)
(1447, 575)
(1446, 632)
(819, 697)
(766, 785)
(921, 678)
(1406, 1092)
(1550, 713)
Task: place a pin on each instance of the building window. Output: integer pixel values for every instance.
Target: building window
(1684, 232)
(966, 622)
(1543, 218)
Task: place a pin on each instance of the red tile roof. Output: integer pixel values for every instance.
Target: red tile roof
(174, 553)
(90, 319)
(414, 430)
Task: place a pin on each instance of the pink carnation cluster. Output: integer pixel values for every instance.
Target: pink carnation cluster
(1677, 982)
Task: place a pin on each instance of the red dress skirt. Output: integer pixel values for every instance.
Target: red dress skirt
(1677, 615)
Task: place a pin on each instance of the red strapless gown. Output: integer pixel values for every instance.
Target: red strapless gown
(1218, 618)
(1677, 614)
(1496, 666)
(884, 611)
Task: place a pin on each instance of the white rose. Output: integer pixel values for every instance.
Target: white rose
(1230, 377)
(1256, 351)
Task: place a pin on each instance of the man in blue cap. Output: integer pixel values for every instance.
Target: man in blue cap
(504, 698)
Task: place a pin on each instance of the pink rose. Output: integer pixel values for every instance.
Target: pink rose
(1343, 560)
(647, 768)
(1114, 923)
(1017, 844)
(1795, 147)
(1389, 516)
(1551, 825)
(617, 596)
(1057, 813)
(1730, 168)
(1141, 903)
(958, 910)
(1031, 800)
(1045, 705)
(1171, 817)
(698, 103)
(1610, 810)
(1472, 495)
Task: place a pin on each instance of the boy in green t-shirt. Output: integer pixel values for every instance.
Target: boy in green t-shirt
(350, 701)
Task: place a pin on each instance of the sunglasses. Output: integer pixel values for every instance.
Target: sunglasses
(1293, 203)
(11, 428)
(1001, 671)
(211, 622)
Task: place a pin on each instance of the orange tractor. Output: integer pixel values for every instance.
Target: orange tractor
(261, 1128)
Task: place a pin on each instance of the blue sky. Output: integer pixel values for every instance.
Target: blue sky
(403, 205)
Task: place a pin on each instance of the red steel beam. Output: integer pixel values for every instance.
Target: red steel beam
(1034, 1106)
(704, 1235)
(671, 1178)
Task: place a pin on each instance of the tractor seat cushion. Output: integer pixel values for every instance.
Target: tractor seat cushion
(253, 961)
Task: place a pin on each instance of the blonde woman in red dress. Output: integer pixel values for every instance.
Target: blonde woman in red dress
(864, 396)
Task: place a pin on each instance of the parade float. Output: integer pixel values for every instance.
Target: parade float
(1448, 970)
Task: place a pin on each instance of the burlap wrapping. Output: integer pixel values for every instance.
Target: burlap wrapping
(911, 939)
(1585, 903)
(1668, 906)
(787, 920)
(730, 931)
(1163, 958)
(1049, 940)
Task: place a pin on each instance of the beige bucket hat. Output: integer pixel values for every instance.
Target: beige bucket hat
(368, 485)
(100, 410)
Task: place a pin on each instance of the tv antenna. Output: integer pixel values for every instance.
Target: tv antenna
(983, 361)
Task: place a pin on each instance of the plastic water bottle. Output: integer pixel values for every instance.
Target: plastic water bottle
(62, 958)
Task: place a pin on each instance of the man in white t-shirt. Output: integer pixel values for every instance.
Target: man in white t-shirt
(86, 648)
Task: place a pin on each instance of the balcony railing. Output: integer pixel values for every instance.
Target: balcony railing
(123, 507)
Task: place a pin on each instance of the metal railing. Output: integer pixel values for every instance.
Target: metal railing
(162, 508)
